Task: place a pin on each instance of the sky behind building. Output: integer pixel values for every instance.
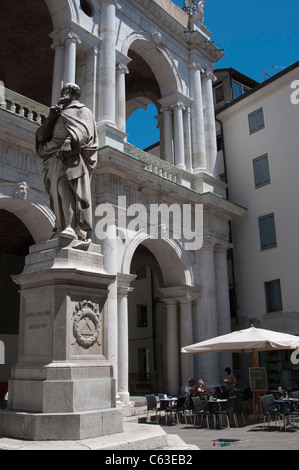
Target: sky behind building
(258, 39)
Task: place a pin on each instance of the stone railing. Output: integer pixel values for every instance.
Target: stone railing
(160, 167)
(22, 106)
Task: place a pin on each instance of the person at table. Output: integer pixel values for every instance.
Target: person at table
(230, 381)
(203, 389)
(191, 391)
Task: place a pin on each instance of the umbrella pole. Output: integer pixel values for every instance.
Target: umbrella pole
(256, 395)
(255, 361)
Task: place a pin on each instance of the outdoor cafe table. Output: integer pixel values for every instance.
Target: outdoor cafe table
(282, 402)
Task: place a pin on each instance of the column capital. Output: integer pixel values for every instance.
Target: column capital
(196, 66)
(209, 74)
(123, 283)
(71, 36)
(122, 68)
(222, 247)
(178, 105)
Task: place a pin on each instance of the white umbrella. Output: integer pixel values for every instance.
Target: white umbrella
(250, 339)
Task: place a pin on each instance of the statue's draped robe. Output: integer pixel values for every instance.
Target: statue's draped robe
(76, 122)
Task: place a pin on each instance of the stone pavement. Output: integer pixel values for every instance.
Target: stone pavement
(244, 437)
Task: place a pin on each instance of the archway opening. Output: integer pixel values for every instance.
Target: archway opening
(146, 325)
(142, 105)
(15, 240)
(28, 69)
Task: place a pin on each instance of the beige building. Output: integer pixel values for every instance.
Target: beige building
(260, 150)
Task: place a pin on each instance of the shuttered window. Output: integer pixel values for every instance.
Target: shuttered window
(256, 121)
(261, 171)
(267, 232)
(273, 296)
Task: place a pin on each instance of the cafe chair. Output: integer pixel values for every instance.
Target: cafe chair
(152, 405)
(178, 408)
(271, 408)
(291, 412)
(199, 410)
(227, 410)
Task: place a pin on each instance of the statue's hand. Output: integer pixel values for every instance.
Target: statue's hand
(54, 112)
(66, 149)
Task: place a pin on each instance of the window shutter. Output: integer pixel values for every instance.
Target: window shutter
(261, 171)
(267, 232)
(256, 121)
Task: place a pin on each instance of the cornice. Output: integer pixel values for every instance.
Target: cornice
(186, 32)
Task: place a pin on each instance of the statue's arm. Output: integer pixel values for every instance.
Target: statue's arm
(44, 132)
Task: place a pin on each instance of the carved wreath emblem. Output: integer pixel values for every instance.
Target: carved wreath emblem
(86, 324)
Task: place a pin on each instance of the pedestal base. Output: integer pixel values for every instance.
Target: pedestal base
(62, 387)
(60, 426)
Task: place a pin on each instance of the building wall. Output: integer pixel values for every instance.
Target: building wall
(279, 139)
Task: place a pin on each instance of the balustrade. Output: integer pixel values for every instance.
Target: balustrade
(22, 106)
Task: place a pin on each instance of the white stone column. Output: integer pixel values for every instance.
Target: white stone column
(186, 333)
(168, 135)
(172, 347)
(124, 289)
(107, 63)
(179, 153)
(208, 319)
(187, 138)
(58, 71)
(71, 41)
(109, 251)
(210, 125)
(223, 304)
(121, 71)
(197, 119)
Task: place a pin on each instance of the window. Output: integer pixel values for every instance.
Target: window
(273, 296)
(219, 94)
(87, 7)
(143, 364)
(256, 121)
(219, 140)
(261, 171)
(141, 311)
(267, 232)
(238, 89)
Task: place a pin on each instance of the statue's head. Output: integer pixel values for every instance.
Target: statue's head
(69, 92)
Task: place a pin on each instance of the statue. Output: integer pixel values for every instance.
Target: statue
(67, 143)
(199, 13)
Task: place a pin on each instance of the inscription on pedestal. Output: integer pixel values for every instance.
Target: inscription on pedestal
(37, 333)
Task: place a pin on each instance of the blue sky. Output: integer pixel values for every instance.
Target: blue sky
(258, 39)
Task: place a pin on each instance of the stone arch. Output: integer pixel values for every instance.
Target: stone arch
(156, 55)
(30, 208)
(174, 264)
(62, 12)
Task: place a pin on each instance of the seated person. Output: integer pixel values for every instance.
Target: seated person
(203, 389)
(191, 391)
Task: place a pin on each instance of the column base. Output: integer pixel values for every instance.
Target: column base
(60, 426)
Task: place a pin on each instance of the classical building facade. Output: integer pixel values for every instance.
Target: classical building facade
(168, 291)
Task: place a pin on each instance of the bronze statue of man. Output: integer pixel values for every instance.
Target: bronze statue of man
(67, 142)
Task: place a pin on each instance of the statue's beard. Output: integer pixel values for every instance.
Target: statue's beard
(65, 99)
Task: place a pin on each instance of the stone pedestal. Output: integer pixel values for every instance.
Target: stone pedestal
(62, 386)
